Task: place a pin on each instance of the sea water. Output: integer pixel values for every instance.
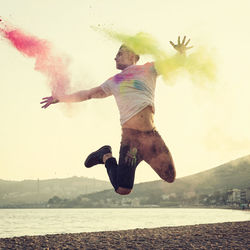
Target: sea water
(20, 222)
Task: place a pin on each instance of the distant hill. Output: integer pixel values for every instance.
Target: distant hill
(83, 192)
(234, 174)
(40, 191)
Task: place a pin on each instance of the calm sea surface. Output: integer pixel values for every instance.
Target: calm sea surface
(19, 222)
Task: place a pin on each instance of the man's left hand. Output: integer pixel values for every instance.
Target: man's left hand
(181, 47)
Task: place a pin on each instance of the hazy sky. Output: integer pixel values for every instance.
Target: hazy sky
(202, 126)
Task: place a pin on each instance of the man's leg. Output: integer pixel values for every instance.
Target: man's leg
(157, 155)
(112, 170)
(128, 161)
(122, 175)
(104, 156)
(111, 166)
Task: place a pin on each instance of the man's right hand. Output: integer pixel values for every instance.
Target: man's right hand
(48, 101)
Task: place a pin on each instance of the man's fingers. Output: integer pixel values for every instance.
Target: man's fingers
(45, 106)
(172, 43)
(190, 47)
(187, 42)
(43, 102)
(179, 39)
(183, 41)
(48, 97)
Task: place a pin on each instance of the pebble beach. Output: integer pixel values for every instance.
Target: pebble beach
(230, 235)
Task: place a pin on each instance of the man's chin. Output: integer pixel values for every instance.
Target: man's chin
(120, 66)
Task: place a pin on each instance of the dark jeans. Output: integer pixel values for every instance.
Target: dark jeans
(137, 146)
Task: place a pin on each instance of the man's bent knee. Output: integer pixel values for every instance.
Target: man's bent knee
(170, 174)
(123, 191)
(170, 179)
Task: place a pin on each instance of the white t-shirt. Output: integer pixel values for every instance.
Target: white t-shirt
(133, 89)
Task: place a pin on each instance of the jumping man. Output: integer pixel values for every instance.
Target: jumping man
(133, 89)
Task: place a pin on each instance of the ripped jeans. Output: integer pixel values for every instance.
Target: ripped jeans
(136, 146)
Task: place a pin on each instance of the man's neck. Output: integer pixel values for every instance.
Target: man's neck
(126, 66)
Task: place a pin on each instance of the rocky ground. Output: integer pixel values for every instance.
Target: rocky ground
(231, 235)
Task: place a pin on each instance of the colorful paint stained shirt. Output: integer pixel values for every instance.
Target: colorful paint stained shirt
(133, 89)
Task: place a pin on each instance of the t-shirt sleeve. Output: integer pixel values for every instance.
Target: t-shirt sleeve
(106, 87)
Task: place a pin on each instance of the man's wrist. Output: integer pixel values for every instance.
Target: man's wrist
(55, 101)
(182, 53)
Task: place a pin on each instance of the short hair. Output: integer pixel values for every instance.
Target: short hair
(130, 50)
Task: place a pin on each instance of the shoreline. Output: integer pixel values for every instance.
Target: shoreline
(134, 207)
(235, 235)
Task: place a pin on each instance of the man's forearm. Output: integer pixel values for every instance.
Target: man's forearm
(83, 95)
(79, 96)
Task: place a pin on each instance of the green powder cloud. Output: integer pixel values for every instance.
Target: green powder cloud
(200, 64)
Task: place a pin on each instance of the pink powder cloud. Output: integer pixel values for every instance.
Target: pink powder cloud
(53, 65)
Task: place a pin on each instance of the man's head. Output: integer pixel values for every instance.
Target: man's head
(125, 57)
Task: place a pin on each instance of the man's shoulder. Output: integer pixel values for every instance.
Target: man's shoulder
(147, 64)
(149, 67)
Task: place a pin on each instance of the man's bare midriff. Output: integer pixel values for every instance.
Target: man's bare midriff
(143, 121)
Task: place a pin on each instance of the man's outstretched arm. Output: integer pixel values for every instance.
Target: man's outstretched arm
(79, 96)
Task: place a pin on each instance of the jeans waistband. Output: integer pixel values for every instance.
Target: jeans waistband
(137, 132)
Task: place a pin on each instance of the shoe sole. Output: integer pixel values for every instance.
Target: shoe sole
(93, 158)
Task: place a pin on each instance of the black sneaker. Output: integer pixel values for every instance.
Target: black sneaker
(97, 156)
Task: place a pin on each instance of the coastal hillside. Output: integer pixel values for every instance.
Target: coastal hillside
(234, 174)
(211, 187)
(40, 191)
(213, 184)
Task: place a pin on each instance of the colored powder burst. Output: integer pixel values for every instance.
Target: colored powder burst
(52, 65)
(142, 43)
(199, 64)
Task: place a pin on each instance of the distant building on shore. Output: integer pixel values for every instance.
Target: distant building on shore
(237, 196)
(234, 196)
(245, 196)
